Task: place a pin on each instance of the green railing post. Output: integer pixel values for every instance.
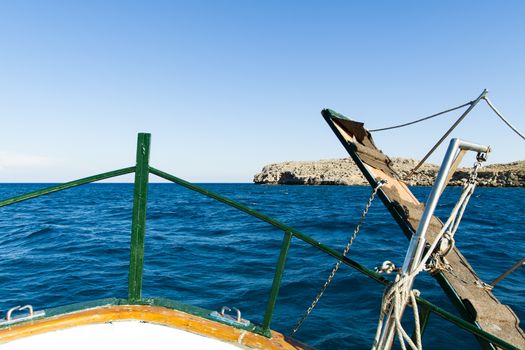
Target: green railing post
(138, 221)
(65, 186)
(468, 326)
(276, 282)
(305, 238)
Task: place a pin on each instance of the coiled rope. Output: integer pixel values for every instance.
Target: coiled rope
(400, 292)
(396, 296)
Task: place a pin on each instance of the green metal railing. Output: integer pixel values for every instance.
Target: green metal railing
(138, 220)
(142, 169)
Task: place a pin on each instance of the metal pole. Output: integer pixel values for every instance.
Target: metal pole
(272, 299)
(305, 238)
(508, 272)
(138, 222)
(66, 185)
(472, 105)
(418, 241)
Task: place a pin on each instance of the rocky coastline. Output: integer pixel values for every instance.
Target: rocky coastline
(345, 172)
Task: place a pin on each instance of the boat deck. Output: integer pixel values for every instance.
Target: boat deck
(130, 326)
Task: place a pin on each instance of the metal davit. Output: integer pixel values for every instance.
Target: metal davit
(477, 305)
(135, 306)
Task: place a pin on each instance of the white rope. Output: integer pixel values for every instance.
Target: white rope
(453, 221)
(399, 294)
(395, 297)
(387, 267)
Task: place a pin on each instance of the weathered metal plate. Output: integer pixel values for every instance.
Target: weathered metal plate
(475, 302)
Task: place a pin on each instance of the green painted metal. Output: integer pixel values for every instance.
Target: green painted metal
(458, 303)
(287, 239)
(370, 273)
(142, 170)
(66, 185)
(138, 221)
(196, 311)
(424, 315)
(328, 114)
(468, 326)
(161, 302)
(67, 309)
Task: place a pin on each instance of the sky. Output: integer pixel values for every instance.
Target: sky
(226, 87)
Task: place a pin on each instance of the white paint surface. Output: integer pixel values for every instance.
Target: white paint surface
(129, 335)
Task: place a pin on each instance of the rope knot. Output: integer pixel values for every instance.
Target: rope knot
(387, 267)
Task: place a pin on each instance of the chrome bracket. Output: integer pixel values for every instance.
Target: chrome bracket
(224, 317)
(10, 319)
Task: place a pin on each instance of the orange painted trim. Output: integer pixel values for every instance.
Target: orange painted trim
(151, 314)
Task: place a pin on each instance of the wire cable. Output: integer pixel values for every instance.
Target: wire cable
(456, 123)
(503, 118)
(422, 119)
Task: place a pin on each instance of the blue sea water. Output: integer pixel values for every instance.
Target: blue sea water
(73, 246)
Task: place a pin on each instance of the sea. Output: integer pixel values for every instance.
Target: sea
(73, 246)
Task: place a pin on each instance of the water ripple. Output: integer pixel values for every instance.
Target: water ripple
(74, 246)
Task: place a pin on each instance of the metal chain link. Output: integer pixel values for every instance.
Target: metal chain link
(473, 177)
(336, 267)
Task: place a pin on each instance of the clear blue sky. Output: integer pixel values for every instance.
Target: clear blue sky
(226, 87)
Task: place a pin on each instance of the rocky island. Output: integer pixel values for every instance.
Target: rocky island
(345, 172)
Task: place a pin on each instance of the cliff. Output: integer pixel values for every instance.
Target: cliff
(345, 172)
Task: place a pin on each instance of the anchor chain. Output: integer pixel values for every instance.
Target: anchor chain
(345, 252)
